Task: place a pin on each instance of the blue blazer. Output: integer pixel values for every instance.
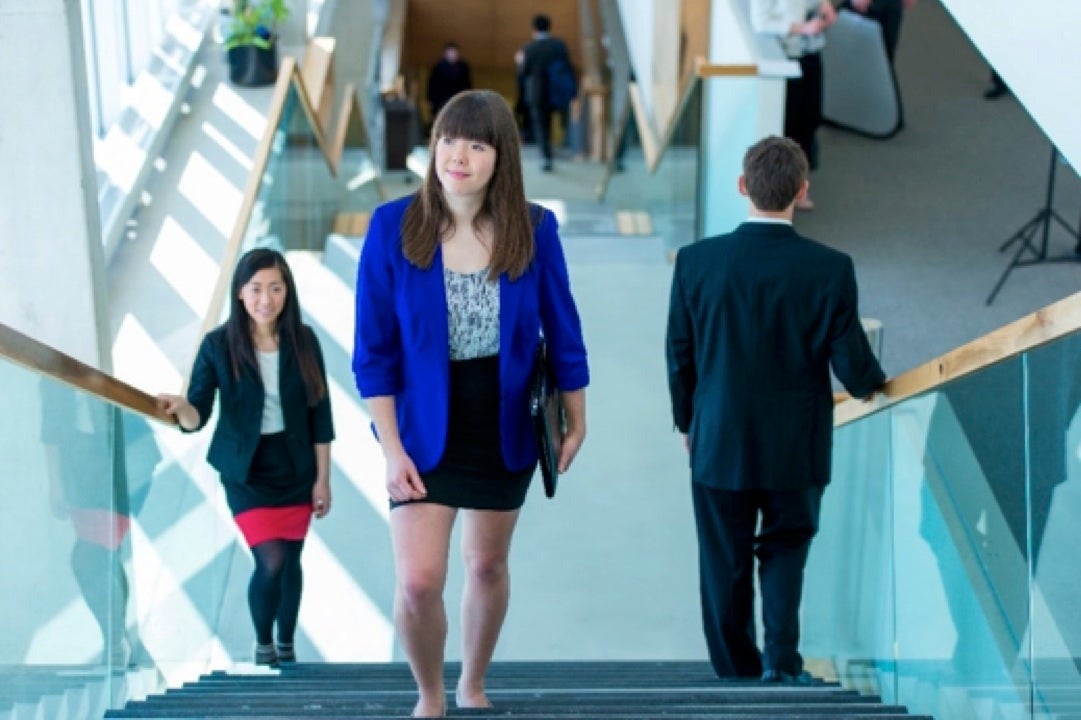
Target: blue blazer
(402, 345)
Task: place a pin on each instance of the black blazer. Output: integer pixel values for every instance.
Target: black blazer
(756, 318)
(536, 57)
(241, 405)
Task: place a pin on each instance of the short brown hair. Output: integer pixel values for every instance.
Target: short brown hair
(774, 169)
(485, 116)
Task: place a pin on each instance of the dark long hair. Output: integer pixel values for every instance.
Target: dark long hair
(484, 116)
(238, 328)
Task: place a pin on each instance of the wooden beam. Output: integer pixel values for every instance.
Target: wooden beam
(317, 71)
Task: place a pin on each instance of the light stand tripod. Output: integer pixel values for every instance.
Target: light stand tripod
(1041, 223)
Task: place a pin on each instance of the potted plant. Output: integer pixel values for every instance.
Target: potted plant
(251, 41)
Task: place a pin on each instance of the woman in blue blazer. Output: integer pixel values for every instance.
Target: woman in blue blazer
(455, 286)
(271, 444)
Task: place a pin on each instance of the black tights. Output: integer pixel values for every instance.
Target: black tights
(274, 591)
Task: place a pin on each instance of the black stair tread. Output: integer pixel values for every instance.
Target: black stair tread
(644, 715)
(599, 700)
(621, 690)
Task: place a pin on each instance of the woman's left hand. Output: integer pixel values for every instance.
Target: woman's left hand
(574, 405)
(572, 443)
(321, 497)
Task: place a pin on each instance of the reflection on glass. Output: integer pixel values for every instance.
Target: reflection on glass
(661, 202)
(848, 614)
(301, 197)
(1053, 375)
(65, 602)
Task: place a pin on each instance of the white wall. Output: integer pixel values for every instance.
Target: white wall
(1035, 48)
(638, 28)
(51, 258)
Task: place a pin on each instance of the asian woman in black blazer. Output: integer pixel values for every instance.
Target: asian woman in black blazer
(272, 441)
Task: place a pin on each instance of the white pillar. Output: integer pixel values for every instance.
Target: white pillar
(737, 112)
(51, 256)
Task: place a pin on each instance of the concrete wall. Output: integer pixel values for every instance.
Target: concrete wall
(1037, 53)
(51, 255)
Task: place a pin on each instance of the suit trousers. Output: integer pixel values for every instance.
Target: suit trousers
(734, 528)
(803, 106)
(541, 115)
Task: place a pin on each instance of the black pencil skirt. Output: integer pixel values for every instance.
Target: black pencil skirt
(471, 473)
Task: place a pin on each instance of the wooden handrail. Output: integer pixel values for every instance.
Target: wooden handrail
(1041, 327)
(57, 366)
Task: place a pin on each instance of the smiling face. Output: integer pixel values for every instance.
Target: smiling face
(264, 297)
(464, 167)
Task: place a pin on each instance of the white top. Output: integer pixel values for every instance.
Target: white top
(776, 17)
(273, 420)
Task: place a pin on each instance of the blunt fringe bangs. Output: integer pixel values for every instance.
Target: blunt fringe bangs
(483, 116)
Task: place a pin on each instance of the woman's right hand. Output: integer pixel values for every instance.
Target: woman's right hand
(403, 480)
(179, 407)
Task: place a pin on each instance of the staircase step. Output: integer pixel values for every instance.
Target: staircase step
(522, 690)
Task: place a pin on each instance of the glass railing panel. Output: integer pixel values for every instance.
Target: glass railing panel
(848, 613)
(301, 199)
(182, 552)
(65, 520)
(960, 549)
(298, 196)
(1053, 374)
(659, 202)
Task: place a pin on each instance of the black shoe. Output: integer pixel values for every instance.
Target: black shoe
(779, 676)
(266, 655)
(547, 167)
(286, 653)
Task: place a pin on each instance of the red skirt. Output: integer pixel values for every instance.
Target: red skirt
(274, 523)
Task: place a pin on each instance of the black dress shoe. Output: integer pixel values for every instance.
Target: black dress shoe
(779, 676)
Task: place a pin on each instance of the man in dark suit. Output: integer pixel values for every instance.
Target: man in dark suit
(756, 319)
(536, 57)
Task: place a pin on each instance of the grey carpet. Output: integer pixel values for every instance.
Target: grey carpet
(925, 212)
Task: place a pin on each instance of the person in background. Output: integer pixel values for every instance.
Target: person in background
(756, 320)
(271, 444)
(536, 57)
(456, 284)
(800, 25)
(448, 77)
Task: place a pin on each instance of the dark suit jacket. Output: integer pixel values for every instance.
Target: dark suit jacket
(401, 346)
(241, 406)
(536, 57)
(755, 320)
(447, 80)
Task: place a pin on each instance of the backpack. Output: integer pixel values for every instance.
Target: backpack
(562, 83)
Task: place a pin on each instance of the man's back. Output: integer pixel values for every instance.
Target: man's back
(537, 56)
(757, 316)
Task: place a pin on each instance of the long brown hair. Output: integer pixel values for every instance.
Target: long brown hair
(484, 116)
(238, 328)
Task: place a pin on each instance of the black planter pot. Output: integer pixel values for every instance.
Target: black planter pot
(253, 66)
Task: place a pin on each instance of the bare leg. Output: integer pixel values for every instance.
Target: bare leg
(420, 534)
(485, 546)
